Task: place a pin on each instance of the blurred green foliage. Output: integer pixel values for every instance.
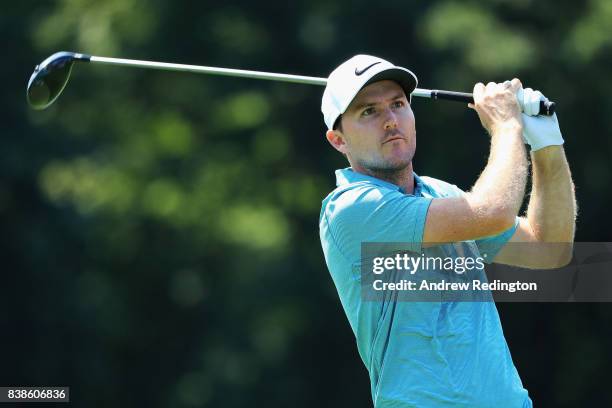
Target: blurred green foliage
(159, 230)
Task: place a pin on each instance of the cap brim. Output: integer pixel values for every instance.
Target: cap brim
(406, 79)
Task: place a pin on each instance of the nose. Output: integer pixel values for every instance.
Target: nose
(390, 120)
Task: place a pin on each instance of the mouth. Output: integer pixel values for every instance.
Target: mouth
(391, 139)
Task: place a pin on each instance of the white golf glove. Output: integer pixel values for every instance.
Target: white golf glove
(539, 131)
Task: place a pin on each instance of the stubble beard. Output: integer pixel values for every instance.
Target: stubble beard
(393, 171)
(386, 170)
(389, 169)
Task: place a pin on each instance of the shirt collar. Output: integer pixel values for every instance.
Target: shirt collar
(348, 175)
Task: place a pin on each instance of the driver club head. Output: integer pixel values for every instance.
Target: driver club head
(50, 77)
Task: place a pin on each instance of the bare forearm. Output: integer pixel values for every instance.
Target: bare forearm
(501, 186)
(552, 206)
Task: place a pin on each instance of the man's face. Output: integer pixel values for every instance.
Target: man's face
(378, 129)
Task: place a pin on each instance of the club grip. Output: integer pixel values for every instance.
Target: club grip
(547, 108)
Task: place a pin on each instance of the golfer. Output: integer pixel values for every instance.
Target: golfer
(438, 354)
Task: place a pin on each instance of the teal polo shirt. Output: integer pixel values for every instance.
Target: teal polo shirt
(418, 354)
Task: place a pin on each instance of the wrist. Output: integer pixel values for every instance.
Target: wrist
(509, 127)
(548, 159)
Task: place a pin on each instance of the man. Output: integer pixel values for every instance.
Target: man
(437, 354)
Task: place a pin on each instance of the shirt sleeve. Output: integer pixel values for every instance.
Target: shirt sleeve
(377, 214)
(490, 246)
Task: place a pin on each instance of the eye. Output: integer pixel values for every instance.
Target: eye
(398, 104)
(368, 111)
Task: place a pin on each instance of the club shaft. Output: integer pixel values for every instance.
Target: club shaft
(299, 79)
(545, 108)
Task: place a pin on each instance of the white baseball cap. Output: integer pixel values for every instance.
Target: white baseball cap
(347, 80)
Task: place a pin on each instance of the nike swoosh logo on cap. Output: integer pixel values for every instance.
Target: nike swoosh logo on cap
(361, 71)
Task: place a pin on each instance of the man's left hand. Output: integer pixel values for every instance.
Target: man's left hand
(539, 131)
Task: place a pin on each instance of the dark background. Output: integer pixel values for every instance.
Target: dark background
(160, 230)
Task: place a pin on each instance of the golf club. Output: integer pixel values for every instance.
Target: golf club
(51, 76)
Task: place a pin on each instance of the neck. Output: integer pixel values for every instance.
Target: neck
(403, 178)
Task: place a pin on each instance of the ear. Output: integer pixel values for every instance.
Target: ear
(337, 139)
